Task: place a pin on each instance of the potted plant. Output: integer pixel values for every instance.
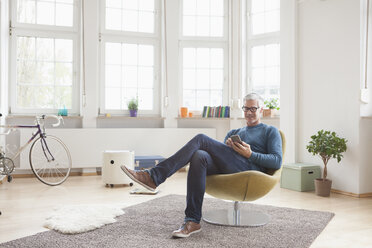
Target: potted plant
(271, 106)
(327, 145)
(133, 107)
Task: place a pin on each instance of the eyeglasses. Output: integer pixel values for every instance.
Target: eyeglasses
(252, 109)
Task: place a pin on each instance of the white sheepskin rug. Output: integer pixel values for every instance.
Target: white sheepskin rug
(82, 218)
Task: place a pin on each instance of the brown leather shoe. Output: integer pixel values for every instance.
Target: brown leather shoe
(141, 177)
(187, 229)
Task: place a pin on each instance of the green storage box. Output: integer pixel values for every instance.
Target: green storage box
(299, 177)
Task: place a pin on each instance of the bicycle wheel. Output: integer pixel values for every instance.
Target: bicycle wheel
(50, 160)
(6, 166)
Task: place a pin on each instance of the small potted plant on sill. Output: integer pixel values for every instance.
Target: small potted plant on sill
(133, 107)
(271, 107)
(327, 145)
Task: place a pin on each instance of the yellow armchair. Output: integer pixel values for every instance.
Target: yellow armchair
(239, 187)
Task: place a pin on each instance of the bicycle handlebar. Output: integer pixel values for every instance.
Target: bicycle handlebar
(59, 119)
(6, 133)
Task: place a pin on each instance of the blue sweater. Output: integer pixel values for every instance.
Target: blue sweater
(265, 142)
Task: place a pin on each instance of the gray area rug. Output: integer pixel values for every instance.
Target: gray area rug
(151, 223)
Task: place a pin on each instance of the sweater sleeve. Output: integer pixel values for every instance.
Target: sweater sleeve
(273, 158)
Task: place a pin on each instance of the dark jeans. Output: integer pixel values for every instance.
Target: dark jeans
(207, 157)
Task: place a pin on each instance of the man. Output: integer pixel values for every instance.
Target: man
(260, 149)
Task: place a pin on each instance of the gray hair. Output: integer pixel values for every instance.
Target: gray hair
(254, 96)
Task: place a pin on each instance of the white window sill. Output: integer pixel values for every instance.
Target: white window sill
(124, 117)
(13, 116)
(204, 118)
(263, 118)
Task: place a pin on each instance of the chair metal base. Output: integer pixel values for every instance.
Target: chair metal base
(236, 217)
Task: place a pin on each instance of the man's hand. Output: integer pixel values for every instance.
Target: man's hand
(243, 148)
(229, 142)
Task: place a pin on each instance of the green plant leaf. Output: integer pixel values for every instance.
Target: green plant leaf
(327, 145)
(133, 104)
(272, 103)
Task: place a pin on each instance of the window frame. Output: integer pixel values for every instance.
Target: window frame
(224, 38)
(256, 40)
(205, 42)
(156, 92)
(196, 44)
(117, 36)
(105, 31)
(18, 29)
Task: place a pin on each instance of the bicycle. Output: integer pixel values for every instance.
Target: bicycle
(49, 157)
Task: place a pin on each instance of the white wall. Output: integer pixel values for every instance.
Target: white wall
(288, 80)
(4, 30)
(366, 105)
(90, 102)
(171, 92)
(1, 52)
(365, 182)
(365, 131)
(87, 145)
(328, 82)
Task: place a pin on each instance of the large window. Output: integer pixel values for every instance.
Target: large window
(264, 47)
(130, 15)
(44, 56)
(264, 16)
(203, 18)
(129, 72)
(204, 53)
(130, 55)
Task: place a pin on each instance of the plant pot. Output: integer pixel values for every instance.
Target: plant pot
(322, 187)
(269, 113)
(133, 112)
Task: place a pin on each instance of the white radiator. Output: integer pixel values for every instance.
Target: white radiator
(87, 144)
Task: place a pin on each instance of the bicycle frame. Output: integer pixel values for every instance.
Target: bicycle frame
(34, 135)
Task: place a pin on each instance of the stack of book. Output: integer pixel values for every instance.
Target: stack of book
(216, 112)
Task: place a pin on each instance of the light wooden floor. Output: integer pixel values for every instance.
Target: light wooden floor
(26, 202)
